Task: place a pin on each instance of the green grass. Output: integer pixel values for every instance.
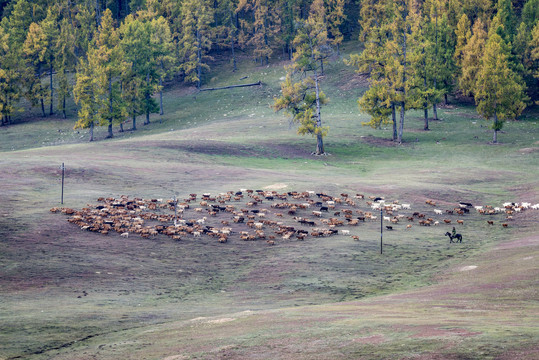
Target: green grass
(143, 294)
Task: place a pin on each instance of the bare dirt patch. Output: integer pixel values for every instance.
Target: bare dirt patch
(529, 150)
(380, 142)
(427, 331)
(353, 82)
(223, 148)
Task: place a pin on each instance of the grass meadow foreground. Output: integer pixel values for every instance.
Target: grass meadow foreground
(73, 294)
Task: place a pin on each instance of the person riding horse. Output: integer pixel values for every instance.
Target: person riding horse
(456, 236)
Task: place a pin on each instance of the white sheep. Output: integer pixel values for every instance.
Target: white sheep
(438, 212)
(345, 232)
(406, 206)
(125, 234)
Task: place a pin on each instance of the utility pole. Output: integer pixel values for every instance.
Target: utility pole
(381, 229)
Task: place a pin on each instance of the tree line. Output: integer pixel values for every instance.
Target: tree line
(120, 52)
(418, 52)
(112, 56)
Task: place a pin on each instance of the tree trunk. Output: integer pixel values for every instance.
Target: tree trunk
(495, 136)
(401, 123)
(199, 60)
(92, 131)
(425, 104)
(319, 145)
(394, 118)
(134, 122)
(147, 99)
(403, 102)
(435, 111)
(234, 66)
(43, 107)
(64, 115)
(110, 135)
(161, 111)
(121, 127)
(319, 138)
(52, 90)
(446, 101)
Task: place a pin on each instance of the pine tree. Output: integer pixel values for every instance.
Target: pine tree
(335, 17)
(107, 56)
(34, 50)
(65, 61)
(225, 30)
(471, 58)
(499, 92)
(534, 53)
(399, 65)
(507, 18)
(195, 41)
(377, 61)
(530, 13)
(6, 78)
(87, 95)
(303, 98)
(144, 43)
(260, 27)
(51, 31)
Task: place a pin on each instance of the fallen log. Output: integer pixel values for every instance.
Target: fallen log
(232, 86)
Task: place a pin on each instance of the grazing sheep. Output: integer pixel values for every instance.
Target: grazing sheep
(345, 232)
(438, 212)
(406, 206)
(125, 234)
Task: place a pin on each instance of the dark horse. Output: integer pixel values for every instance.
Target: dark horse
(458, 237)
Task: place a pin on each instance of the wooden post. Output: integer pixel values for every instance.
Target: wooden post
(63, 171)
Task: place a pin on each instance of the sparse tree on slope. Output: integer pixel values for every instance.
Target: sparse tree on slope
(303, 99)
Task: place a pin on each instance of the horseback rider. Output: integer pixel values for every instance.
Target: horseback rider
(454, 232)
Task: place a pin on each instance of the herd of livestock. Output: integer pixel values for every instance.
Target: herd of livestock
(271, 216)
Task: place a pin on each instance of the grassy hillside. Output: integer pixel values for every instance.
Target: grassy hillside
(68, 293)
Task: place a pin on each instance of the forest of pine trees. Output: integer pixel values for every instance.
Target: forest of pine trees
(112, 56)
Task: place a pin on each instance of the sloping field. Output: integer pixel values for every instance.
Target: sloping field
(74, 294)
